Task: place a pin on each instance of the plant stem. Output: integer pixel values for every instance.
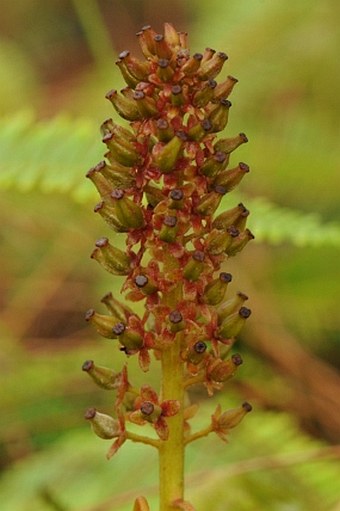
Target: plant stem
(171, 452)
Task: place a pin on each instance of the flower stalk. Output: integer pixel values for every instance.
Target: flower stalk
(163, 180)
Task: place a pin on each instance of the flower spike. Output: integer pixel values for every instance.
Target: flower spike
(162, 186)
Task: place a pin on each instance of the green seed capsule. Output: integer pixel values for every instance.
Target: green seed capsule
(232, 325)
(128, 212)
(215, 291)
(111, 258)
(228, 145)
(103, 425)
(126, 107)
(195, 266)
(102, 376)
(102, 323)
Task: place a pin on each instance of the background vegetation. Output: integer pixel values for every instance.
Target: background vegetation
(57, 62)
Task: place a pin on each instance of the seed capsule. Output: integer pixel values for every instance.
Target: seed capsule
(212, 67)
(108, 212)
(210, 202)
(214, 164)
(192, 64)
(125, 107)
(215, 291)
(169, 229)
(232, 325)
(194, 267)
(205, 94)
(218, 242)
(146, 105)
(199, 130)
(232, 177)
(228, 145)
(232, 418)
(145, 284)
(165, 156)
(103, 425)
(195, 353)
(236, 216)
(111, 258)
(230, 306)
(176, 321)
(224, 89)
(102, 323)
(219, 115)
(128, 212)
(128, 337)
(222, 370)
(102, 376)
(239, 242)
(124, 153)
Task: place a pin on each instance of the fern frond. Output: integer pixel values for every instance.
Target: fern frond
(275, 224)
(47, 155)
(52, 156)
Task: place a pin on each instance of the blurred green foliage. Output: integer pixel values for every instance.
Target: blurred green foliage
(55, 72)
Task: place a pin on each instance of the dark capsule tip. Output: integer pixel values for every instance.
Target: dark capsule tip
(212, 84)
(147, 408)
(237, 359)
(124, 54)
(158, 38)
(90, 413)
(244, 167)
(111, 93)
(243, 296)
(225, 277)
(176, 194)
(233, 231)
(163, 63)
(244, 312)
(90, 172)
(198, 56)
(107, 137)
(198, 255)
(119, 328)
(106, 297)
(89, 314)
(175, 316)
(247, 406)
(222, 190)
(170, 221)
(222, 55)
(102, 242)
(176, 89)
(117, 193)
(233, 79)
(182, 135)
(100, 166)
(200, 347)
(225, 102)
(138, 94)
(141, 280)
(145, 27)
(162, 124)
(98, 206)
(220, 156)
(87, 365)
(244, 137)
(206, 125)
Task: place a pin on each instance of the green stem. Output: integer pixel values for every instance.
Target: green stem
(200, 434)
(142, 439)
(171, 451)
